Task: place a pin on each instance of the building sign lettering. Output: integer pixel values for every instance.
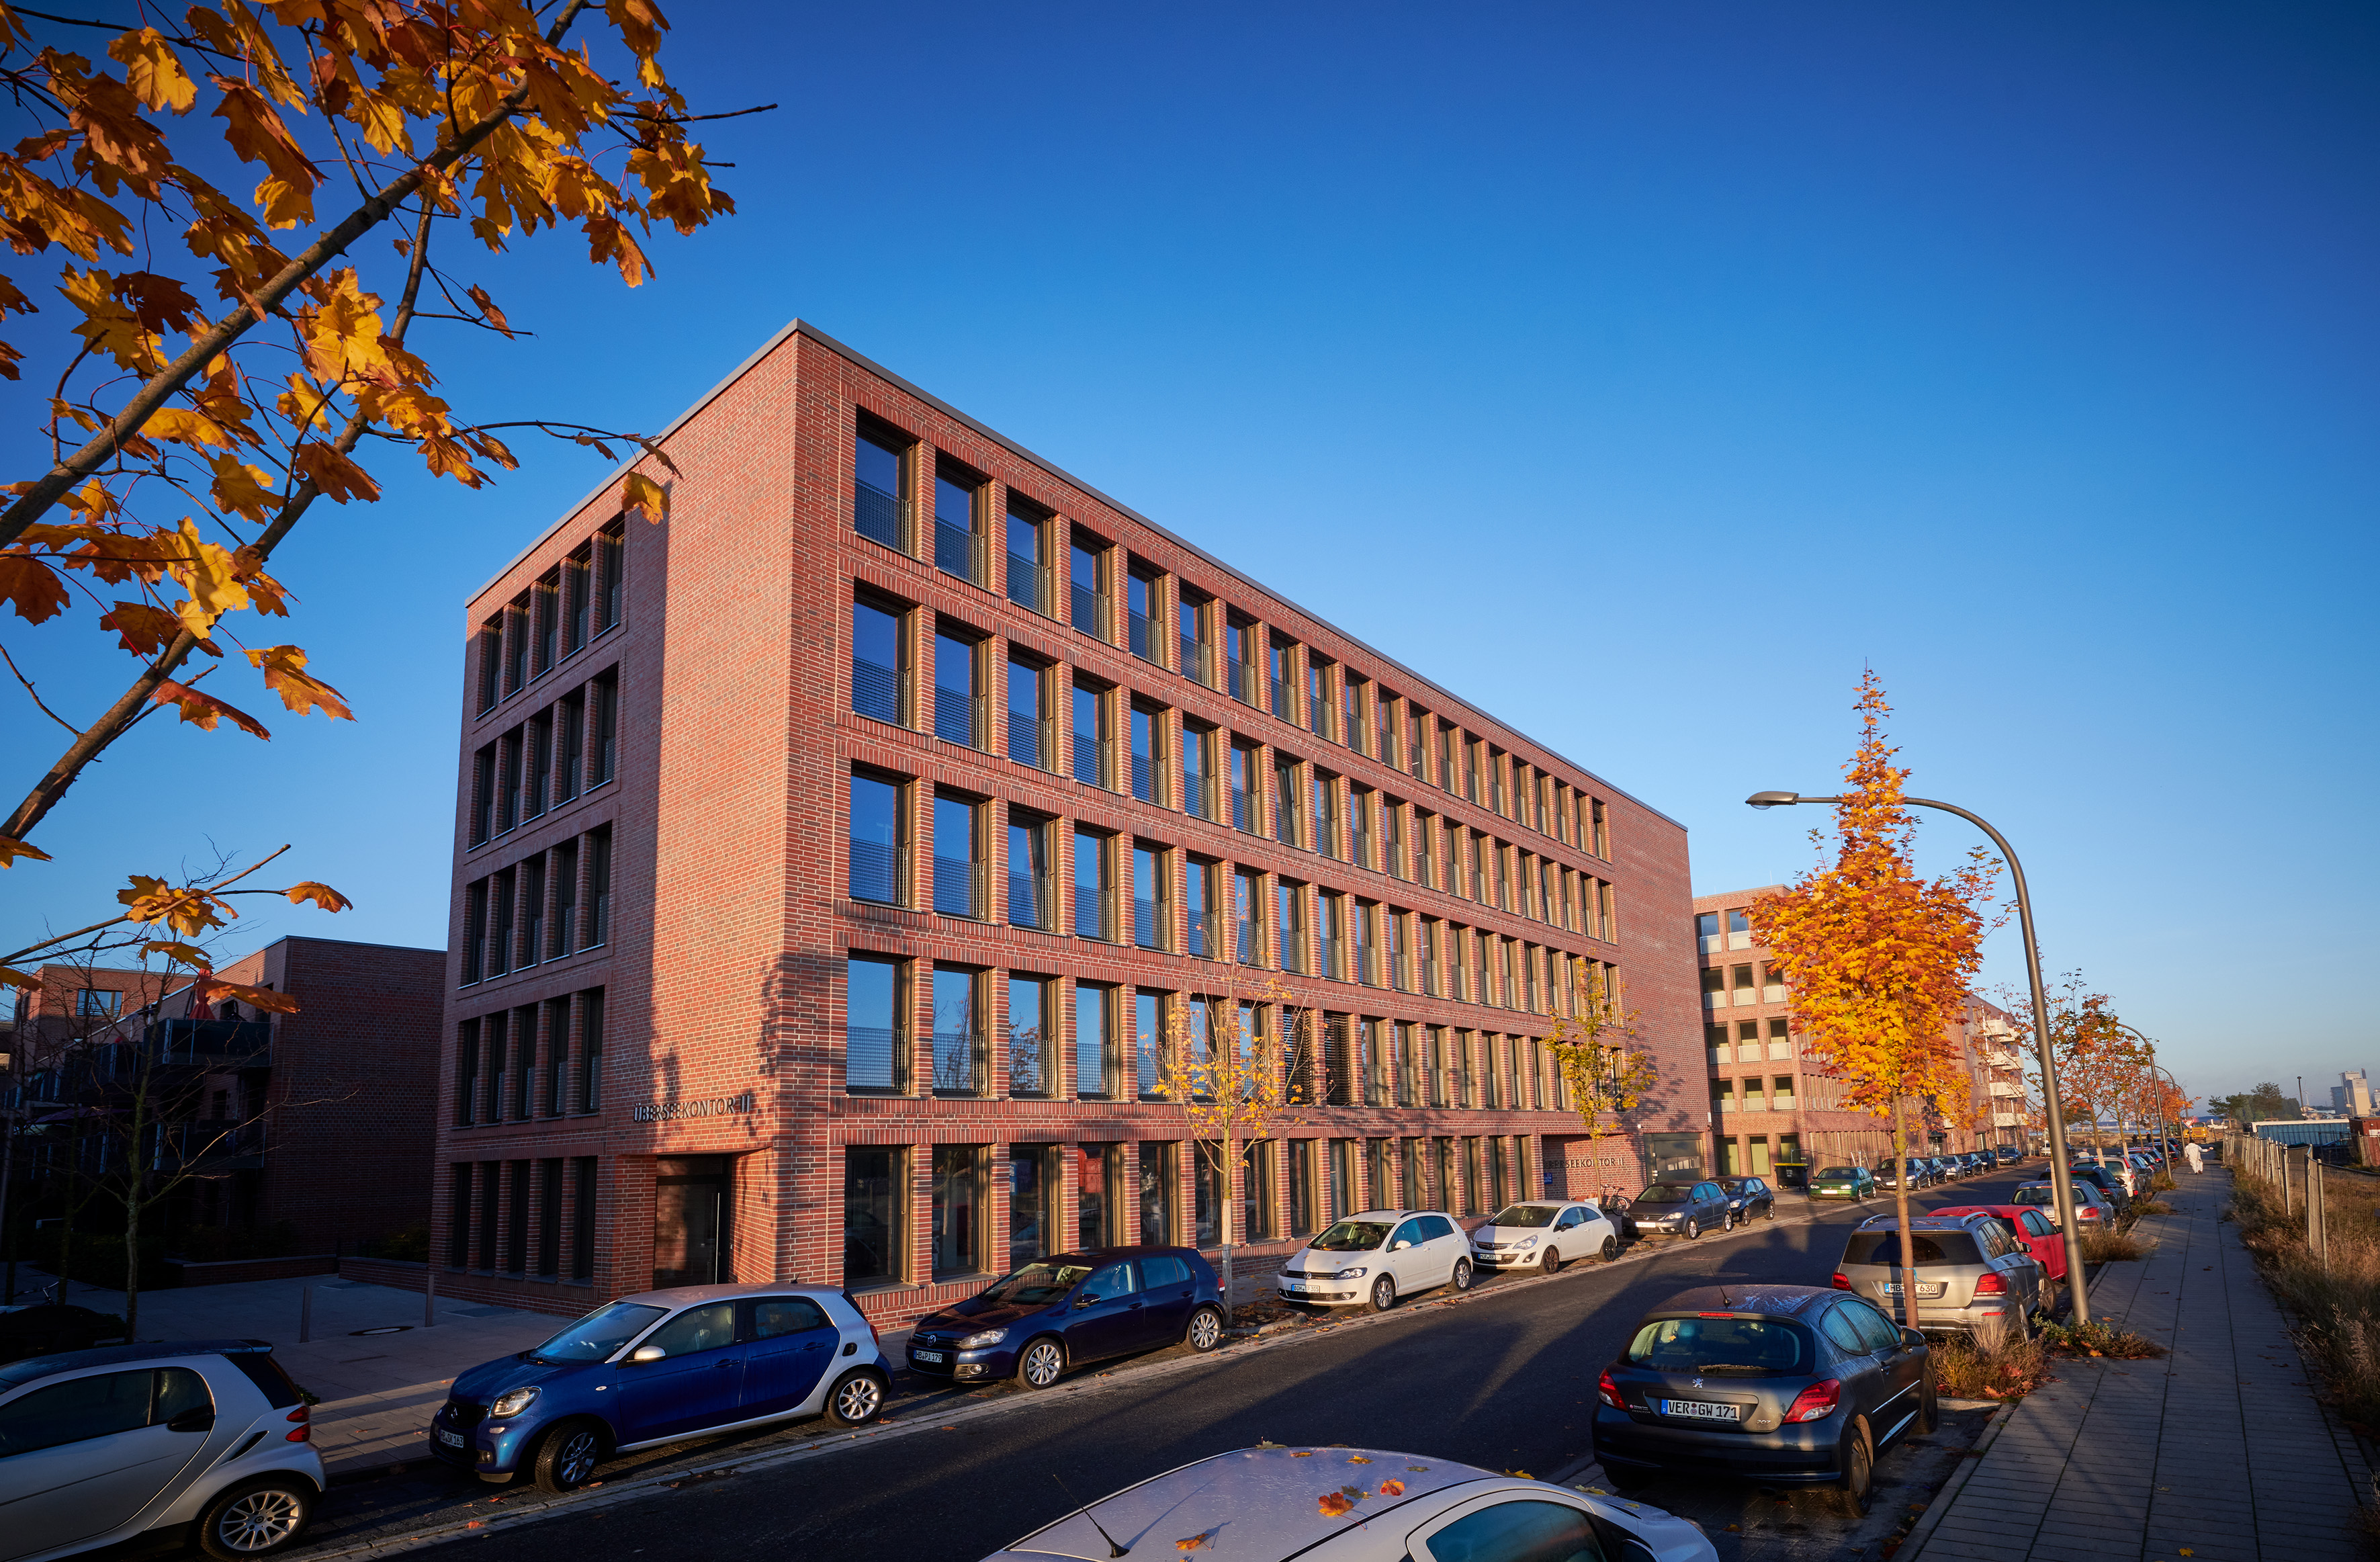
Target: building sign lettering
(670, 1111)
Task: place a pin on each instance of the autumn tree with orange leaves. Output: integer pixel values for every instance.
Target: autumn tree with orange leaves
(219, 357)
(1878, 959)
(2099, 1065)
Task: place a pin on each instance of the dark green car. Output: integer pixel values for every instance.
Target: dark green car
(1842, 1182)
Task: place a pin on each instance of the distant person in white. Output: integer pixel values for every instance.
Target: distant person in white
(2196, 1157)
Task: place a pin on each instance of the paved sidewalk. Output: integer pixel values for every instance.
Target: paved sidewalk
(2219, 1452)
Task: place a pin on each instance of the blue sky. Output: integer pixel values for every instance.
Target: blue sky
(1641, 371)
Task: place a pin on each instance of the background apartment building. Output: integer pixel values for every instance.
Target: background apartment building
(1767, 1102)
(833, 858)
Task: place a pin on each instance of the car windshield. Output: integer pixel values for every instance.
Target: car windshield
(1739, 1346)
(1351, 1237)
(1664, 1193)
(1525, 1214)
(598, 1333)
(1846, 1172)
(1035, 1285)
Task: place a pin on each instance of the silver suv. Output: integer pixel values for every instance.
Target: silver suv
(1972, 1275)
(99, 1445)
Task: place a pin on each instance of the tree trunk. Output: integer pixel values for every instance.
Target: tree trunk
(1900, 1208)
(8, 1226)
(1224, 1185)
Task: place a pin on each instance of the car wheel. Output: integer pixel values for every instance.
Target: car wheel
(1206, 1330)
(1462, 1274)
(1727, 1222)
(567, 1456)
(1384, 1294)
(858, 1398)
(1768, 1210)
(1857, 1482)
(256, 1518)
(1041, 1364)
(1610, 1250)
(1693, 1229)
(1552, 1261)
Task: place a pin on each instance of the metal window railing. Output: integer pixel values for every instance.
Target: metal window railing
(1091, 610)
(1197, 659)
(1251, 941)
(1198, 796)
(959, 887)
(1367, 966)
(1093, 913)
(869, 1054)
(1031, 902)
(1091, 758)
(1144, 777)
(1363, 845)
(1334, 959)
(877, 515)
(959, 551)
(1235, 675)
(957, 1063)
(1150, 919)
(1241, 812)
(875, 689)
(1139, 640)
(960, 717)
(1032, 740)
(1205, 931)
(1279, 706)
(1029, 583)
(1413, 759)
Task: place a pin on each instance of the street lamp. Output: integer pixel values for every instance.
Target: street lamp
(2061, 1181)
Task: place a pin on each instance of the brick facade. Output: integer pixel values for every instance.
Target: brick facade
(1771, 1099)
(604, 1040)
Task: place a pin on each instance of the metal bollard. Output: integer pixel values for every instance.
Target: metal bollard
(305, 1315)
(429, 1298)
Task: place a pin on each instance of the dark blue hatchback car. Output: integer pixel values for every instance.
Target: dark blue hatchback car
(658, 1367)
(1058, 1311)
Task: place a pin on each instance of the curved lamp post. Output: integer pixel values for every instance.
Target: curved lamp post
(2157, 1067)
(2061, 1181)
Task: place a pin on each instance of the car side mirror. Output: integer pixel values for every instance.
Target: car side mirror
(1399, 1247)
(1086, 1298)
(192, 1421)
(647, 1353)
(1912, 1339)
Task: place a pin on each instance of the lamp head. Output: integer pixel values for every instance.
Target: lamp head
(1772, 800)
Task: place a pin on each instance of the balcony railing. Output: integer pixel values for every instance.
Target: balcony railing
(1033, 740)
(875, 690)
(1137, 639)
(209, 1044)
(1091, 610)
(1032, 901)
(959, 717)
(957, 1063)
(1150, 919)
(1251, 941)
(959, 887)
(1367, 972)
(1095, 913)
(960, 550)
(879, 515)
(1144, 777)
(867, 1060)
(1028, 584)
(1198, 798)
(1413, 759)
(1363, 839)
(1243, 815)
(1197, 659)
(218, 1145)
(1205, 931)
(1236, 678)
(1091, 758)
(1279, 706)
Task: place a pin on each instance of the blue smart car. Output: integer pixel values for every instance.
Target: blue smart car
(659, 1367)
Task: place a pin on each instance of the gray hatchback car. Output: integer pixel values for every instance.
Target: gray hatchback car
(1972, 1275)
(1682, 1209)
(99, 1446)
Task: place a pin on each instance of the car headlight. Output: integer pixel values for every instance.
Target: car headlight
(511, 1402)
(1527, 1242)
(982, 1337)
(1355, 1274)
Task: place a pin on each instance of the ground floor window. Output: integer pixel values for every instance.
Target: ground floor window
(1499, 1186)
(1258, 1220)
(960, 1200)
(1471, 1177)
(1759, 1150)
(1207, 1198)
(1160, 1175)
(1305, 1187)
(871, 1214)
(1342, 1180)
(1091, 1208)
(1409, 1158)
(1032, 1202)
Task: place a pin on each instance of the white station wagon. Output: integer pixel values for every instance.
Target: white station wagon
(1375, 1257)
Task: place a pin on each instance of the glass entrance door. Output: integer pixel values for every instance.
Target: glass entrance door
(690, 1221)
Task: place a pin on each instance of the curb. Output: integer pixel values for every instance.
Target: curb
(1939, 1508)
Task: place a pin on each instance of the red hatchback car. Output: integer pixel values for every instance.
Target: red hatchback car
(2032, 1228)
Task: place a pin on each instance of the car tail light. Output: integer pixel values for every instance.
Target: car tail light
(304, 1429)
(1842, 1281)
(1816, 1402)
(1991, 1284)
(1608, 1391)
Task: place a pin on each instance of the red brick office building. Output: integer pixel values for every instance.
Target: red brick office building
(1769, 1103)
(831, 858)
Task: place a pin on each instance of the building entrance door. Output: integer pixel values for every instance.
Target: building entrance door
(691, 1220)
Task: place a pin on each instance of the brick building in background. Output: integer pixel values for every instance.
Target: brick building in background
(1768, 1103)
(320, 1122)
(830, 856)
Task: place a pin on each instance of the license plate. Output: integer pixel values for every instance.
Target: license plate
(1292, 1284)
(1700, 1409)
(1925, 1289)
(452, 1439)
(927, 1355)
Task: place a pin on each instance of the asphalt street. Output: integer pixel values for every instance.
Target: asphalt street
(1504, 1381)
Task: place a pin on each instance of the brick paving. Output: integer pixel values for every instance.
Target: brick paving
(2220, 1452)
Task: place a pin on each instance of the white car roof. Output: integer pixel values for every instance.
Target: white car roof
(686, 1296)
(1268, 1500)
